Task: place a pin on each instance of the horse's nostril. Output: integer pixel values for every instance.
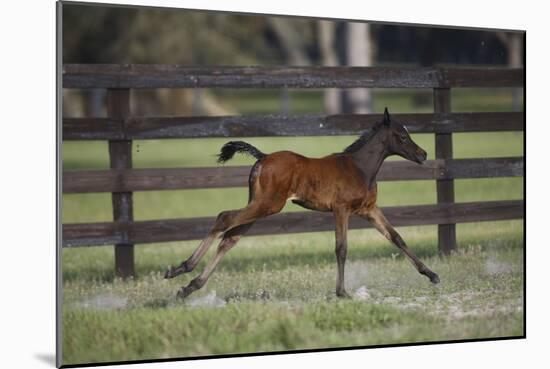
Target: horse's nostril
(421, 155)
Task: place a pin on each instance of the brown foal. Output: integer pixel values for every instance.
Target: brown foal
(344, 183)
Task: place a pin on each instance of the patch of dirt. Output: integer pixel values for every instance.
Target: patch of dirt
(456, 305)
(104, 301)
(362, 293)
(210, 300)
(495, 267)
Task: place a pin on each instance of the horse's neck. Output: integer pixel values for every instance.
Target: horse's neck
(369, 159)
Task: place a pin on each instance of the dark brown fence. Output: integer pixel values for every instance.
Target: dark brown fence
(120, 128)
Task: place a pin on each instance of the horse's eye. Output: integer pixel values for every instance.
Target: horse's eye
(404, 138)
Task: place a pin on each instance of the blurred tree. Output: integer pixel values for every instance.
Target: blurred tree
(359, 54)
(326, 35)
(90, 32)
(95, 34)
(110, 34)
(513, 42)
(293, 35)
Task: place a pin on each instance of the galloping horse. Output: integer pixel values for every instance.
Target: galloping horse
(343, 183)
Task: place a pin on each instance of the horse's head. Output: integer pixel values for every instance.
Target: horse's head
(399, 141)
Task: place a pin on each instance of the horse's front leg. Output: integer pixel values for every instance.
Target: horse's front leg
(342, 218)
(379, 221)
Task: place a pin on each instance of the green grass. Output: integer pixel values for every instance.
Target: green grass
(274, 293)
(277, 293)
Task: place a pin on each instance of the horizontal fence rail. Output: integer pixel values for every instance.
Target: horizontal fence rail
(188, 178)
(177, 76)
(88, 234)
(277, 125)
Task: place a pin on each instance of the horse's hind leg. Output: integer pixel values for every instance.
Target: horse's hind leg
(223, 223)
(226, 220)
(229, 240)
(235, 223)
(189, 264)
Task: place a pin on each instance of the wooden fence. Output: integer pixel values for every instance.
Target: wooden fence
(120, 128)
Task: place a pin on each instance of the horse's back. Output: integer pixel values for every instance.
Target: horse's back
(334, 166)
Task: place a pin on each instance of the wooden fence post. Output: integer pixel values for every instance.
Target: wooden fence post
(120, 154)
(445, 187)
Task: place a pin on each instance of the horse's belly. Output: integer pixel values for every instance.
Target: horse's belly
(323, 190)
(311, 205)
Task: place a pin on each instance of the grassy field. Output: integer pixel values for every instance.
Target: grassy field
(274, 293)
(277, 293)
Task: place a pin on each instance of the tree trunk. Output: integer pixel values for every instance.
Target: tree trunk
(513, 42)
(515, 60)
(291, 39)
(326, 32)
(359, 54)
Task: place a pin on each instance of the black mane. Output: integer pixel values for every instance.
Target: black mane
(363, 139)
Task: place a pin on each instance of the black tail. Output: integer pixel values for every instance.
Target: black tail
(230, 148)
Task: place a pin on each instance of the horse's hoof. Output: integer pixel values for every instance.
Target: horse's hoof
(169, 273)
(183, 293)
(434, 278)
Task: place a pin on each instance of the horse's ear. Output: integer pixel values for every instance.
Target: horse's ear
(386, 116)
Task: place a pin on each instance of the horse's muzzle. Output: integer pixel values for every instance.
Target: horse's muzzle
(420, 156)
